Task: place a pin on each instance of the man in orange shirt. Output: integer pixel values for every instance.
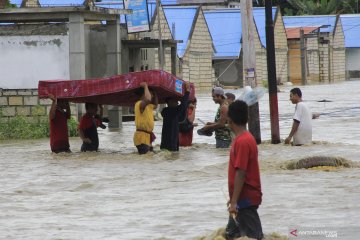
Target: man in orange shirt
(144, 118)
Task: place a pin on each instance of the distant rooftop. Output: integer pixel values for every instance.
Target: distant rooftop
(351, 27)
(326, 22)
(183, 19)
(225, 28)
(294, 33)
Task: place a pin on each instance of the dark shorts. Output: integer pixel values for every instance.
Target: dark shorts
(143, 148)
(247, 224)
(89, 147)
(222, 143)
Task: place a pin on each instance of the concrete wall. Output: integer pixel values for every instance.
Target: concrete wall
(338, 68)
(281, 49)
(197, 63)
(353, 63)
(312, 60)
(25, 103)
(27, 59)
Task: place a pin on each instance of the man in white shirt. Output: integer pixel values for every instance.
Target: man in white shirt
(301, 130)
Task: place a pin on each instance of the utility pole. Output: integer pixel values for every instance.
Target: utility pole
(161, 51)
(271, 68)
(249, 64)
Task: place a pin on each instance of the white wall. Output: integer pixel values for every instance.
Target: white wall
(353, 59)
(24, 60)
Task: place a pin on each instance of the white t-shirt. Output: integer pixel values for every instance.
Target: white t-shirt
(303, 134)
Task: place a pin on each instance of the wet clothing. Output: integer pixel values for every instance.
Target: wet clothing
(244, 156)
(59, 136)
(144, 123)
(303, 115)
(89, 126)
(247, 224)
(185, 138)
(222, 143)
(223, 133)
(170, 128)
(143, 148)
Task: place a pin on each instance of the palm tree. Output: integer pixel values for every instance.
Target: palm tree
(317, 7)
(350, 6)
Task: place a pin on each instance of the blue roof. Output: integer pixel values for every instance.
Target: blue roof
(225, 30)
(183, 18)
(311, 21)
(260, 21)
(351, 29)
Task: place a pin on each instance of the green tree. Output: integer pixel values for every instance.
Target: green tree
(316, 7)
(9, 5)
(285, 7)
(350, 6)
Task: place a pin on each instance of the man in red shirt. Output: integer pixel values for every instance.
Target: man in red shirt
(243, 178)
(59, 114)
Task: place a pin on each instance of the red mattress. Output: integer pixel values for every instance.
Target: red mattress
(116, 90)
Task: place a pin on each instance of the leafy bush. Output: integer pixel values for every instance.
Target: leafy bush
(21, 128)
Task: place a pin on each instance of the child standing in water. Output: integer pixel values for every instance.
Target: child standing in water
(88, 128)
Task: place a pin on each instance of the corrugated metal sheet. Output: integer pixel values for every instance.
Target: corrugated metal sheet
(260, 21)
(311, 21)
(351, 28)
(225, 29)
(183, 18)
(294, 33)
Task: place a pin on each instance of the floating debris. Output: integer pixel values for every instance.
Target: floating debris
(317, 162)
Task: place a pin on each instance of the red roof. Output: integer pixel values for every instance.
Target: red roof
(294, 33)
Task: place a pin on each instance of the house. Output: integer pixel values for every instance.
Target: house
(351, 29)
(187, 25)
(324, 48)
(225, 28)
(53, 43)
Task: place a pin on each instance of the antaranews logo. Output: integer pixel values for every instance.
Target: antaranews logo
(293, 232)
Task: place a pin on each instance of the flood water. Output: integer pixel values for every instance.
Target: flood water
(117, 194)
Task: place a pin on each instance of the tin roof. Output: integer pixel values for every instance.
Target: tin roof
(183, 18)
(260, 21)
(326, 22)
(294, 33)
(225, 28)
(351, 29)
